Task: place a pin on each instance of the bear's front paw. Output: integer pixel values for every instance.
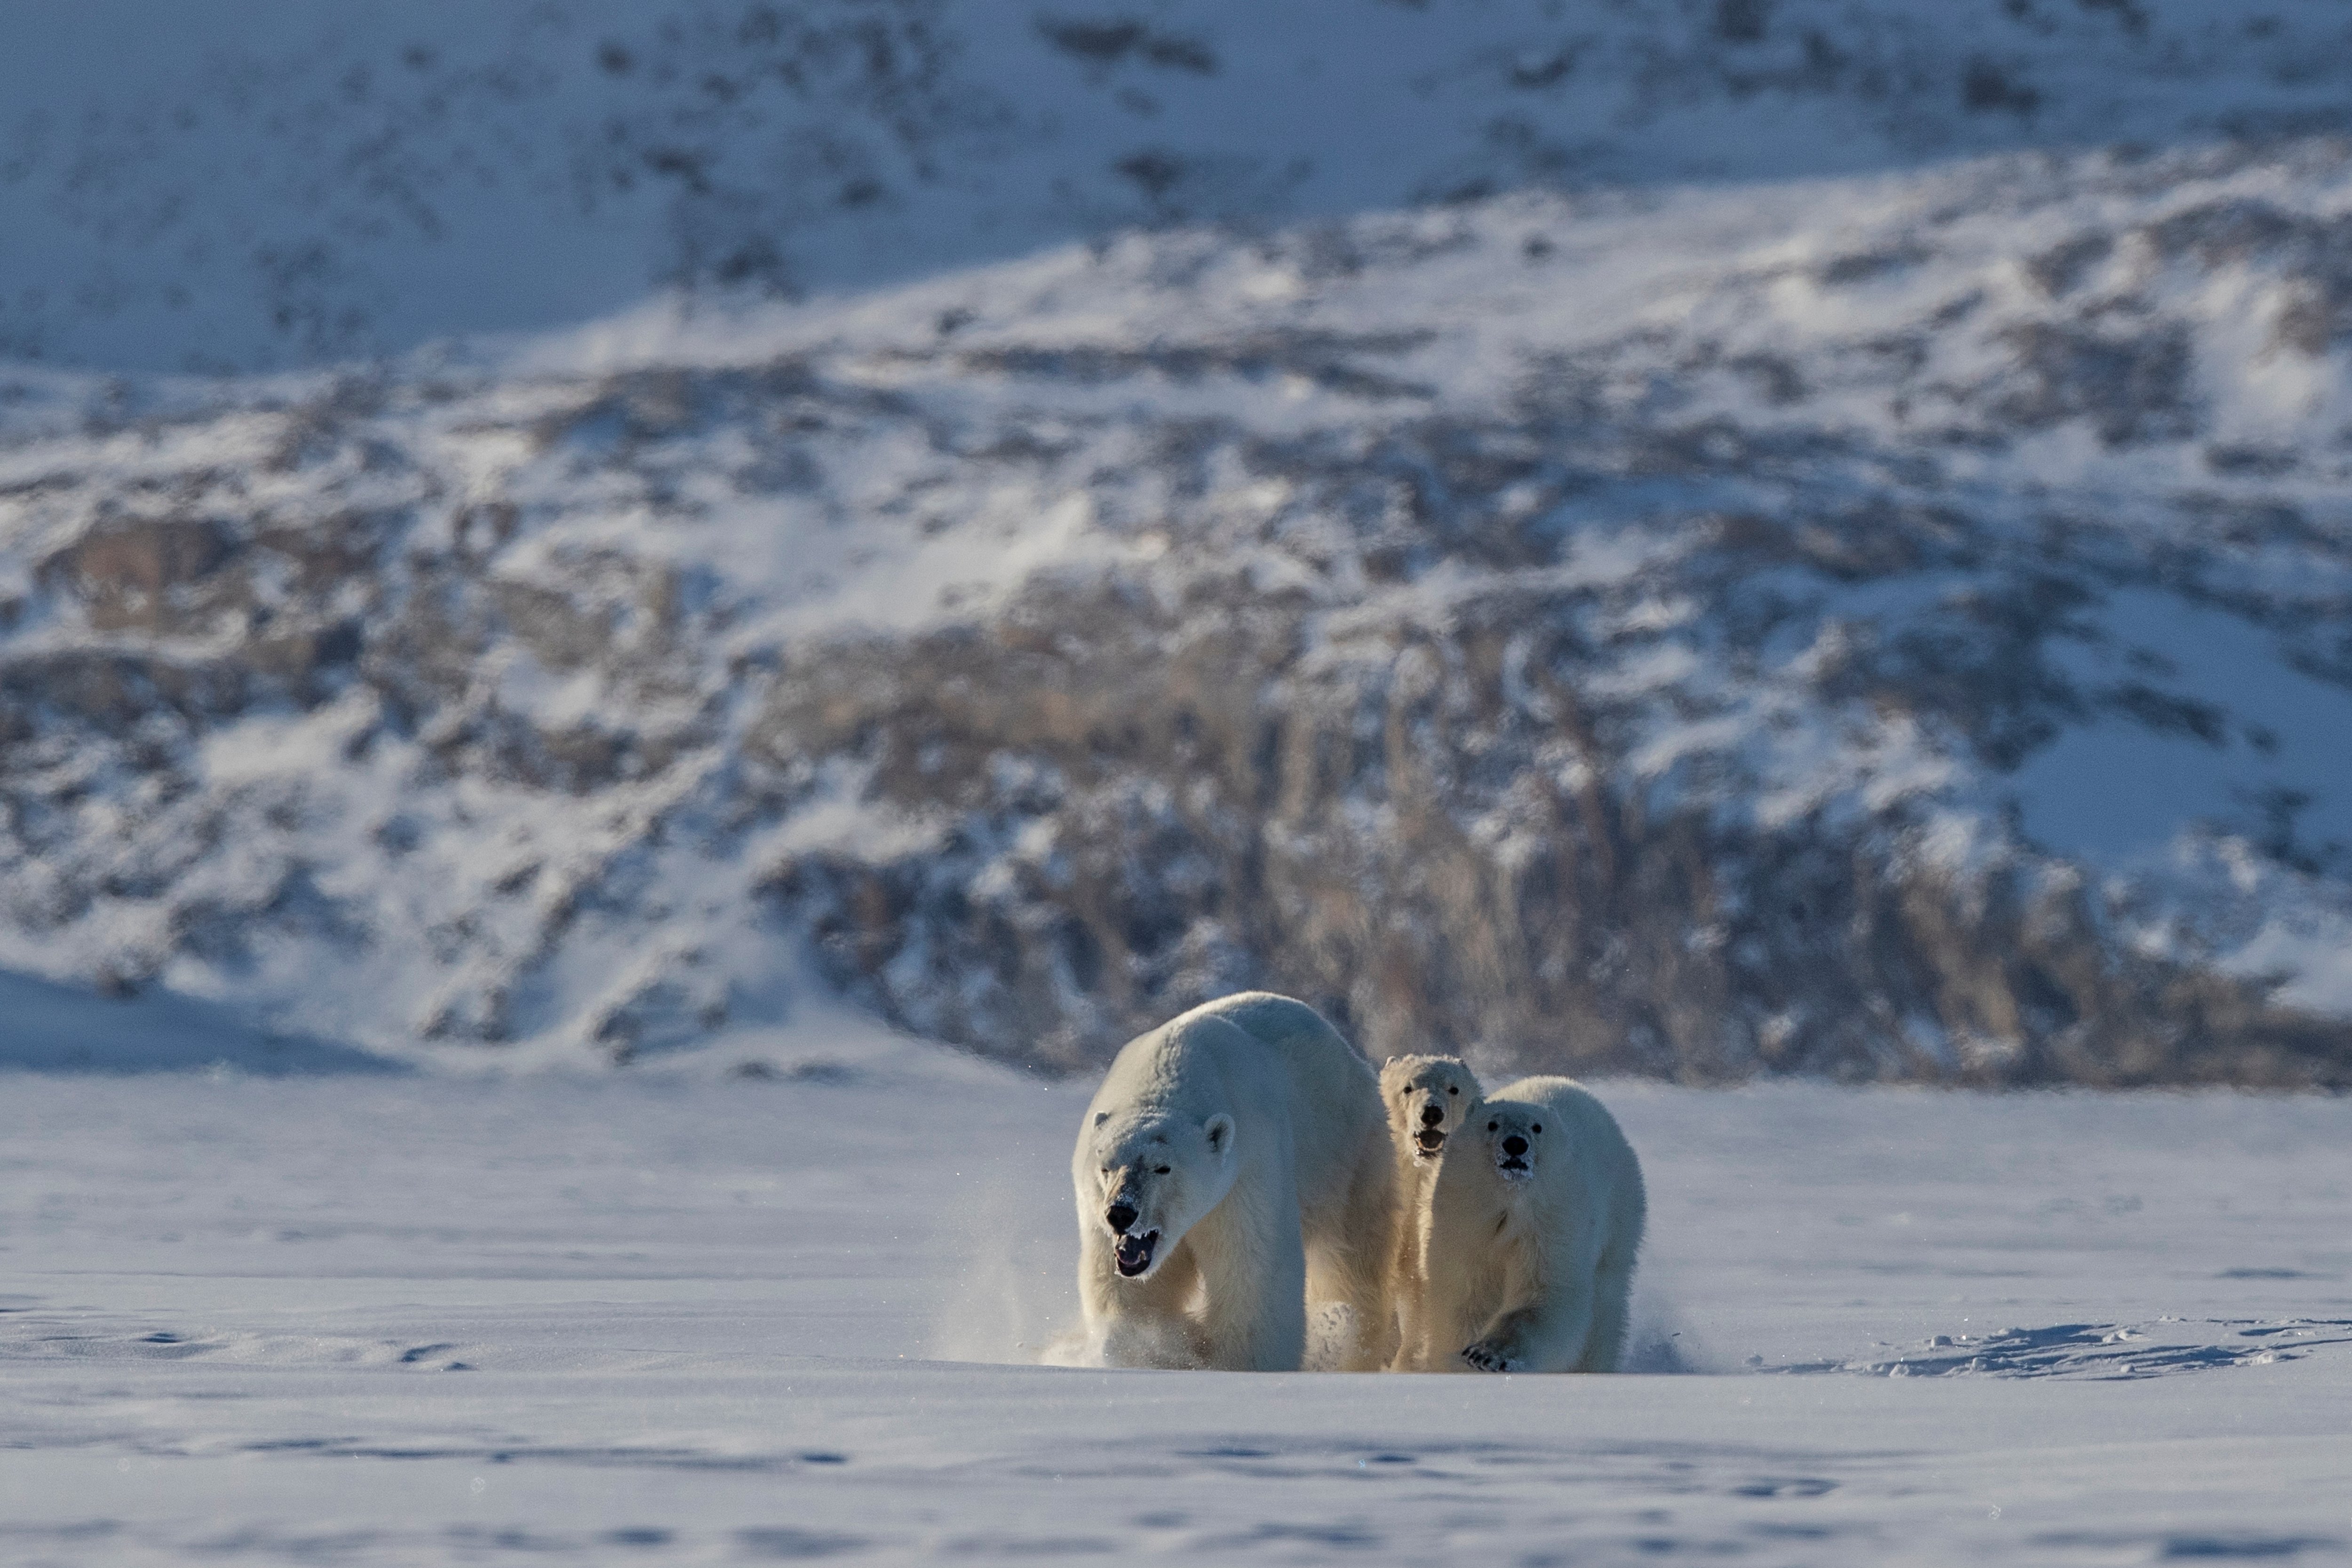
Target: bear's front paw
(1486, 1358)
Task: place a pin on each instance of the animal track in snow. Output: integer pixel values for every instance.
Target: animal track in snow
(2103, 1351)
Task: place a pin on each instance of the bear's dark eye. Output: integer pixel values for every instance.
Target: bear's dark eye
(1539, 1126)
(1162, 1170)
(1451, 1090)
(1492, 1125)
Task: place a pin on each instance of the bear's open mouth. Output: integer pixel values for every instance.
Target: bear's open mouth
(1134, 1253)
(1514, 1167)
(1428, 1141)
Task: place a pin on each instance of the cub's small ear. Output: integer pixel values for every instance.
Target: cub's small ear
(1220, 1128)
(1101, 1116)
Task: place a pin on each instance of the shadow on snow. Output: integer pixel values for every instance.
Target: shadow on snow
(47, 1027)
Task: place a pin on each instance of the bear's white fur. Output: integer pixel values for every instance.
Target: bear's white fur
(1534, 1223)
(1234, 1165)
(1426, 1099)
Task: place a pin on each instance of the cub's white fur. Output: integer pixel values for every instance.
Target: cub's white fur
(1534, 1223)
(1426, 1099)
(1234, 1165)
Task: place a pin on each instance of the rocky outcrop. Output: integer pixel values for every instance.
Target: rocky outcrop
(1134, 806)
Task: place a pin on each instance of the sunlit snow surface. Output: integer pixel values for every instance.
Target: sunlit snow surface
(789, 1315)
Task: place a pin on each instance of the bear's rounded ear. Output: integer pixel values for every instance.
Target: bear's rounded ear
(1101, 1116)
(1220, 1130)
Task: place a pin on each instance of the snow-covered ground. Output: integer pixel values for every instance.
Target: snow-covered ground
(793, 1312)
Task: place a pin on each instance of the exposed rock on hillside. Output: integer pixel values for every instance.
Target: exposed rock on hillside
(1667, 638)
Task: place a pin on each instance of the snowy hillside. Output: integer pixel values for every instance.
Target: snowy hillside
(256, 182)
(1873, 613)
(1890, 626)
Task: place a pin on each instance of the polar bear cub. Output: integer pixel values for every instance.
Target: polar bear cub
(1234, 1164)
(1533, 1222)
(1426, 1099)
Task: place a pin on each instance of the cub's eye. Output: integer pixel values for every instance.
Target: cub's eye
(1162, 1170)
(1492, 1125)
(1451, 1090)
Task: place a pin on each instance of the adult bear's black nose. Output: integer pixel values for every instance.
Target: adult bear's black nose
(1120, 1217)
(1515, 1146)
(1430, 1115)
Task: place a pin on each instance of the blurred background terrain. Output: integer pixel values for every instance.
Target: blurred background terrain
(1692, 539)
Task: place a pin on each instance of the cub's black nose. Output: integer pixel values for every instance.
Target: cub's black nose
(1430, 1115)
(1120, 1217)
(1515, 1146)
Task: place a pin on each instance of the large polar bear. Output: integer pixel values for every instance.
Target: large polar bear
(1533, 1222)
(1426, 1099)
(1234, 1164)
